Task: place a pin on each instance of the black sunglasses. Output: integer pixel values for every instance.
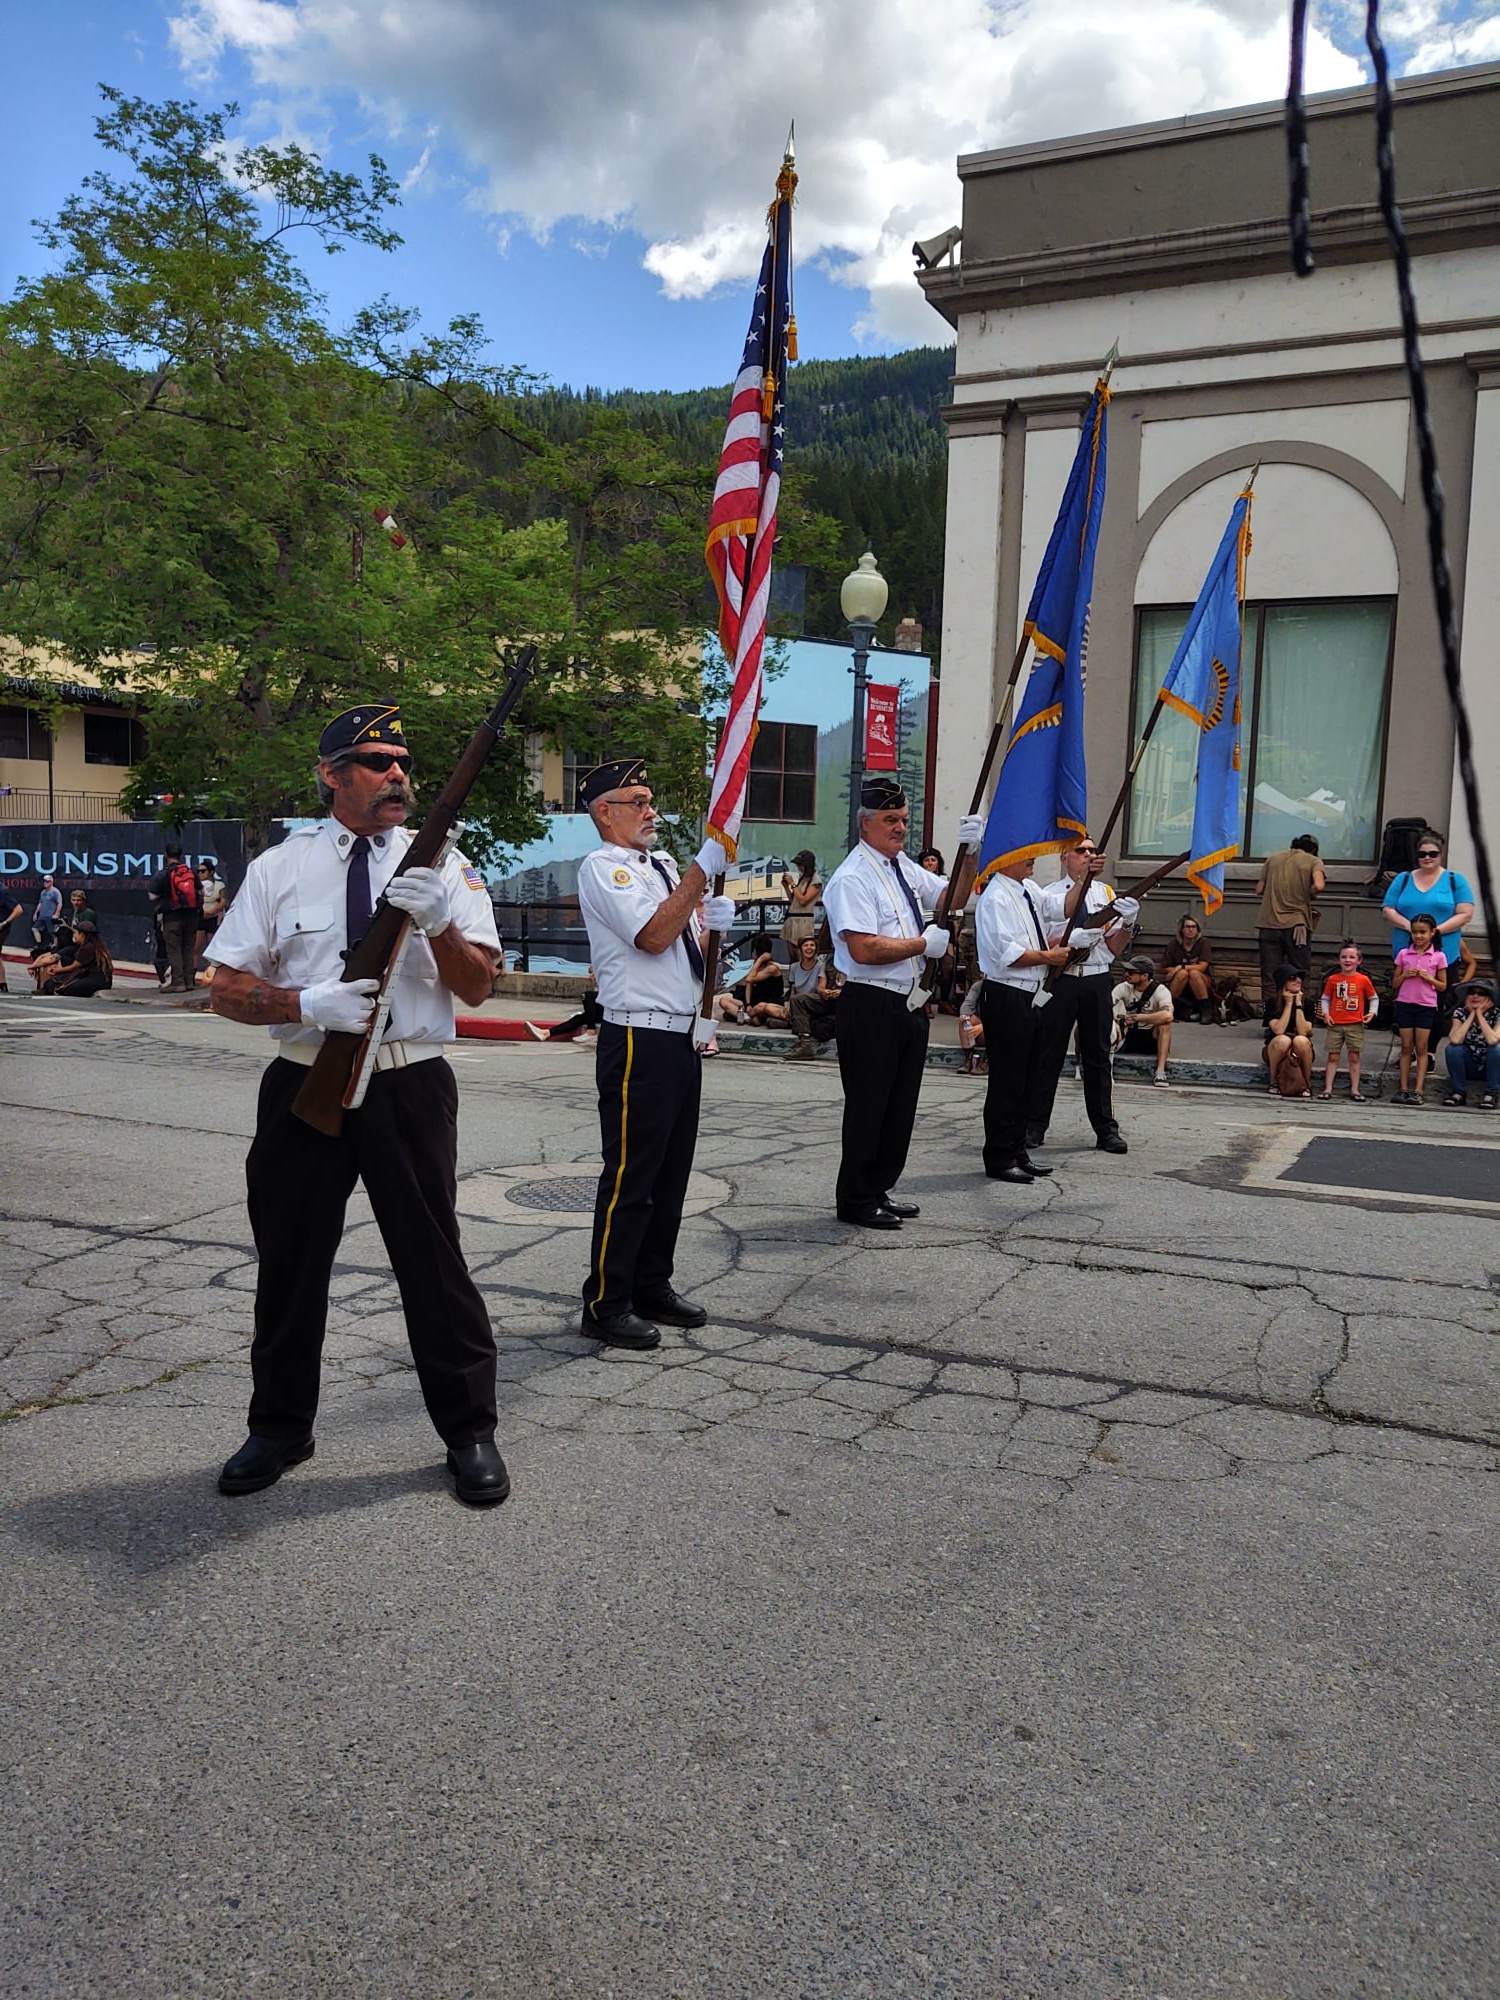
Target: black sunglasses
(1429, 854)
(377, 760)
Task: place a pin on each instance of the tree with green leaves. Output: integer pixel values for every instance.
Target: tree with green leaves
(190, 460)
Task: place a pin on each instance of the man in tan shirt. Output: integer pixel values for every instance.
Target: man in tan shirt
(1288, 882)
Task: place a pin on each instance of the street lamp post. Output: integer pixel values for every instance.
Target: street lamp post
(862, 597)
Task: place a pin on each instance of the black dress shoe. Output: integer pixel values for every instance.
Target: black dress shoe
(672, 1309)
(1030, 1166)
(1111, 1142)
(871, 1215)
(479, 1474)
(907, 1210)
(1015, 1174)
(1036, 1135)
(260, 1462)
(619, 1329)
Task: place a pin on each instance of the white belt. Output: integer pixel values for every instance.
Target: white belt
(880, 985)
(1015, 985)
(650, 1017)
(390, 1055)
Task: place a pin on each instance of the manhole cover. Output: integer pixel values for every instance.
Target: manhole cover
(572, 1192)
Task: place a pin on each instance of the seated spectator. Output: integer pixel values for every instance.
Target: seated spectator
(812, 1005)
(1288, 1049)
(1472, 1050)
(1421, 975)
(762, 988)
(47, 961)
(91, 969)
(971, 1032)
(78, 911)
(1187, 972)
(582, 1027)
(1143, 1016)
(1347, 1006)
(801, 976)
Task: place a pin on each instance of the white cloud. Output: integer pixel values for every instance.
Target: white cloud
(667, 117)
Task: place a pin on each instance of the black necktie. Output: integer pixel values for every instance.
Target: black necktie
(695, 956)
(1036, 922)
(911, 902)
(358, 908)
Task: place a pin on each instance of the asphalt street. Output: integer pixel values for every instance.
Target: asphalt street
(1090, 1591)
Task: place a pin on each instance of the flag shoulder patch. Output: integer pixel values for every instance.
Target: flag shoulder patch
(472, 876)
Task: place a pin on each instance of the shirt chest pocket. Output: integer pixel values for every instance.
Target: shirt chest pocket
(308, 940)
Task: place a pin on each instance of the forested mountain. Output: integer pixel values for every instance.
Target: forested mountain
(864, 445)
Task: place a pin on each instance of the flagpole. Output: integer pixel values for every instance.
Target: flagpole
(789, 174)
(987, 767)
(1155, 716)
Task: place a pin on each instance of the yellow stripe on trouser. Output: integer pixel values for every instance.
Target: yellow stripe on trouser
(609, 1213)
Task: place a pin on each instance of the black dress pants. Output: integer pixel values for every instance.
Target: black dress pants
(1012, 1040)
(403, 1144)
(1080, 1001)
(650, 1083)
(882, 1053)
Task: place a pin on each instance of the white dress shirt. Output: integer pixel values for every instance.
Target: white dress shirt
(1007, 922)
(1054, 902)
(862, 895)
(289, 925)
(619, 891)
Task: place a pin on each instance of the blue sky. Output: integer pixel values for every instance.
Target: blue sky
(584, 177)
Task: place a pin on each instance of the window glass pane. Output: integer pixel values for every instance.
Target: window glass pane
(797, 798)
(764, 796)
(106, 739)
(1161, 798)
(801, 747)
(765, 752)
(1321, 728)
(13, 733)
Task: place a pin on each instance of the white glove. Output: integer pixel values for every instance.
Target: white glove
(712, 859)
(703, 1031)
(935, 941)
(971, 829)
(1123, 910)
(1082, 940)
(341, 1007)
(718, 912)
(423, 895)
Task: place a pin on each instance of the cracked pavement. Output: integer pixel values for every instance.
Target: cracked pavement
(1183, 1491)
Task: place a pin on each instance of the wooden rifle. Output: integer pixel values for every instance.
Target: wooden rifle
(1098, 920)
(338, 1080)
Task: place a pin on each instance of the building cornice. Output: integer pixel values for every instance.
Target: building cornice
(1462, 82)
(1193, 256)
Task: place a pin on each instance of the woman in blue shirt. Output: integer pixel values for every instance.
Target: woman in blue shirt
(1429, 890)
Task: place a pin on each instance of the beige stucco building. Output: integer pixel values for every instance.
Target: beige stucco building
(1171, 239)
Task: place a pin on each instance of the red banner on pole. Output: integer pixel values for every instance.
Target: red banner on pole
(881, 706)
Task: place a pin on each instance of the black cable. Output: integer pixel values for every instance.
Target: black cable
(1299, 203)
(1432, 485)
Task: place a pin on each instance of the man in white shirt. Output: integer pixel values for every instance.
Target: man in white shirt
(646, 948)
(279, 961)
(1015, 958)
(1143, 1014)
(1081, 997)
(878, 904)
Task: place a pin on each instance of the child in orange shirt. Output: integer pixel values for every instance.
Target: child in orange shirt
(1348, 1004)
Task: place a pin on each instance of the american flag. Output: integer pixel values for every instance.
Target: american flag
(742, 522)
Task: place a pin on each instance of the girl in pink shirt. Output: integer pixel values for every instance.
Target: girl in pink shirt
(1421, 974)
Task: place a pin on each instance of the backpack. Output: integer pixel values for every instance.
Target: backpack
(182, 887)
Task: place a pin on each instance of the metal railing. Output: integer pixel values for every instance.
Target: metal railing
(557, 930)
(34, 806)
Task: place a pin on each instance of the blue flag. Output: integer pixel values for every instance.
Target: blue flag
(1042, 797)
(1203, 683)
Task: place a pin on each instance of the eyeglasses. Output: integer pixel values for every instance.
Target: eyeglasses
(1429, 854)
(379, 760)
(631, 805)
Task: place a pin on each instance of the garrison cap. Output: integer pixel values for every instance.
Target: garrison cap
(376, 722)
(882, 794)
(609, 777)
